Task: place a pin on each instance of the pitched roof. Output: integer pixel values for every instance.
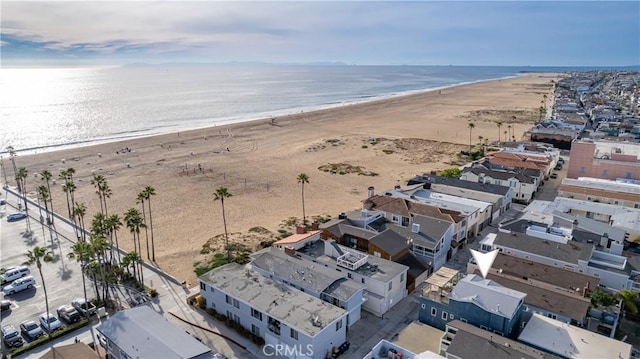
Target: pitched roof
(488, 295)
(143, 332)
(473, 186)
(524, 268)
(570, 252)
(471, 342)
(70, 351)
(431, 230)
(341, 227)
(390, 241)
(501, 175)
(545, 296)
(388, 204)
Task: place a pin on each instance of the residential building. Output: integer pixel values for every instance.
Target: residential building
(604, 159)
(500, 197)
(599, 190)
(481, 302)
(524, 187)
(384, 280)
(568, 341)
(465, 341)
(282, 315)
(516, 161)
(141, 332)
(387, 349)
(318, 281)
(567, 306)
(298, 239)
(71, 351)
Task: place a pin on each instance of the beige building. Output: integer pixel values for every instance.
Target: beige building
(604, 159)
(599, 190)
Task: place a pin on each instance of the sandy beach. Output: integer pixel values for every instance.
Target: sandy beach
(390, 140)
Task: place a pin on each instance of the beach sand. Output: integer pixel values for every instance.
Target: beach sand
(259, 161)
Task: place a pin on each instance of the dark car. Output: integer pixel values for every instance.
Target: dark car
(558, 167)
(554, 175)
(16, 216)
(85, 308)
(5, 305)
(69, 314)
(11, 337)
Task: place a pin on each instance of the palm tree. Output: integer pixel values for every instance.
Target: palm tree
(82, 252)
(12, 158)
(148, 192)
(46, 176)
(302, 179)
(21, 176)
(140, 199)
(471, 126)
(113, 224)
(68, 187)
(43, 195)
(37, 256)
(629, 299)
(499, 124)
(134, 223)
(80, 210)
(98, 182)
(509, 127)
(219, 195)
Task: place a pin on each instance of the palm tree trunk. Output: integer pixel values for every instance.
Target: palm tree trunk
(46, 298)
(226, 236)
(304, 215)
(146, 231)
(84, 289)
(115, 234)
(153, 247)
(69, 205)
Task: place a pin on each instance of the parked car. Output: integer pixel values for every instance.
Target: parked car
(49, 322)
(19, 285)
(5, 305)
(31, 329)
(558, 167)
(16, 216)
(13, 273)
(11, 337)
(85, 308)
(3, 201)
(68, 313)
(554, 175)
(561, 160)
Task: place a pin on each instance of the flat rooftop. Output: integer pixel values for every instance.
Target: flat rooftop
(375, 268)
(305, 274)
(418, 338)
(141, 330)
(608, 185)
(279, 301)
(571, 252)
(571, 342)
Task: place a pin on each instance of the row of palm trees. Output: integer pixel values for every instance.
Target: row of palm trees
(507, 134)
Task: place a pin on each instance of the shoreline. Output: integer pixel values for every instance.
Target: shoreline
(248, 118)
(258, 163)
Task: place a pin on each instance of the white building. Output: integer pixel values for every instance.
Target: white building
(523, 186)
(384, 280)
(319, 281)
(569, 341)
(305, 326)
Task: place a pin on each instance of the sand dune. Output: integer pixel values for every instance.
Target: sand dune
(259, 161)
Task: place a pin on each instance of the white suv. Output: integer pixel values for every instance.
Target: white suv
(19, 285)
(13, 273)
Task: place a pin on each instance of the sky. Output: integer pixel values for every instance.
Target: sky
(500, 33)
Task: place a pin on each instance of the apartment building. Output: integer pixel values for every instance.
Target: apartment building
(307, 326)
(604, 159)
(524, 187)
(618, 193)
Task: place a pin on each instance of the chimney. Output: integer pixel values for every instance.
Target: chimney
(342, 216)
(604, 240)
(426, 185)
(301, 230)
(364, 213)
(397, 187)
(415, 228)
(585, 290)
(290, 251)
(370, 191)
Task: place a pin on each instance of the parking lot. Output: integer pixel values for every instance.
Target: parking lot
(62, 277)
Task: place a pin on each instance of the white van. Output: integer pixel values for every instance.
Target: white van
(14, 273)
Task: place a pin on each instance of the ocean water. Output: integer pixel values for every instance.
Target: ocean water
(49, 108)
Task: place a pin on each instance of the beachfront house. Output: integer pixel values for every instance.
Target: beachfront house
(523, 186)
(316, 280)
(280, 314)
(481, 302)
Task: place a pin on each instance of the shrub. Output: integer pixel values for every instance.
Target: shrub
(365, 146)
(153, 293)
(387, 151)
(45, 338)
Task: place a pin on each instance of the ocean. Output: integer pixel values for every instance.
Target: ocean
(44, 109)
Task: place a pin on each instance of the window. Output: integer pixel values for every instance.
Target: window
(628, 174)
(255, 330)
(362, 280)
(451, 317)
(236, 303)
(256, 314)
(483, 327)
(605, 172)
(582, 170)
(401, 277)
(203, 286)
(636, 205)
(294, 334)
(463, 320)
(523, 324)
(434, 311)
(390, 285)
(349, 275)
(424, 306)
(552, 316)
(338, 325)
(227, 298)
(512, 183)
(212, 290)
(395, 219)
(444, 315)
